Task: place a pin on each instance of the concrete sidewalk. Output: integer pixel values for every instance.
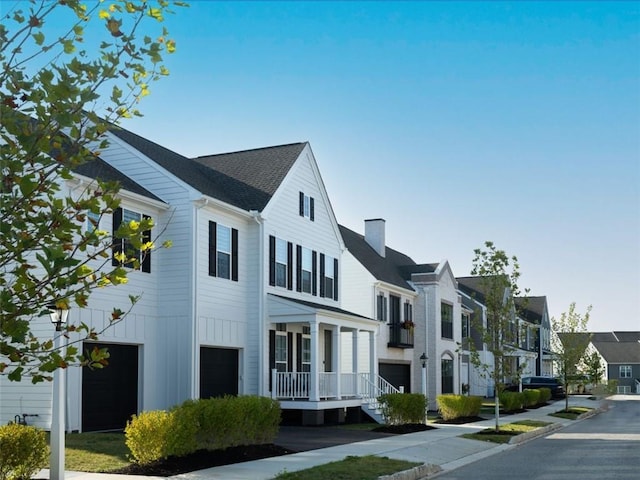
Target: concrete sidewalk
(442, 448)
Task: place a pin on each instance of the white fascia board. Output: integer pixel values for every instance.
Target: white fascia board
(80, 181)
(388, 287)
(205, 200)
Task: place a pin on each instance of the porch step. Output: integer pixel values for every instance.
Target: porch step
(372, 410)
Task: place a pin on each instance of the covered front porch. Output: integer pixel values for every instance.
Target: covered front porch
(312, 365)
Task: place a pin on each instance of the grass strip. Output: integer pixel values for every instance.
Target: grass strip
(351, 468)
(506, 431)
(572, 413)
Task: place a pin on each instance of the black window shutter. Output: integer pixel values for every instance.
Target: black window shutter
(335, 279)
(290, 351)
(146, 260)
(117, 242)
(311, 213)
(213, 231)
(290, 265)
(272, 354)
(234, 254)
(298, 352)
(322, 285)
(301, 204)
(298, 268)
(314, 273)
(272, 260)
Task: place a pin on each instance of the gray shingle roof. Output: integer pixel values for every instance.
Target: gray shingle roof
(390, 268)
(618, 347)
(98, 169)
(472, 286)
(245, 179)
(533, 307)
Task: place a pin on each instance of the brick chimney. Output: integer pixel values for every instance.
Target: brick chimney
(374, 235)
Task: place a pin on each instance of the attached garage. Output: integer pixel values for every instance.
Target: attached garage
(218, 372)
(396, 374)
(110, 394)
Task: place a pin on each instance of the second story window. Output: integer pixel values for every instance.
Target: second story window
(465, 325)
(92, 222)
(625, 371)
(135, 258)
(394, 310)
(328, 277)
(280, 263)
(446, 317)
(306, 207)
(223, 251)
(306, 270)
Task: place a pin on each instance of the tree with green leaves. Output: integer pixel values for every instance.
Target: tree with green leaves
(594, 368)
(569, 341)
(498, 275)
(69, 72)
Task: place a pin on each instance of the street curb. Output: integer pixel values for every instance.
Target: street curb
(415, 473)
(523, 437)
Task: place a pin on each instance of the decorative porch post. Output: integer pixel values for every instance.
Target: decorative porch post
(314, 388)
(373, 356)
(336, 361)
(354, 360)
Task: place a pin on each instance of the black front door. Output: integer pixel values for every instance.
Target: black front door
(110, 394)
(218, 372)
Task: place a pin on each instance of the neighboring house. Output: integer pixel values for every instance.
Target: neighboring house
(104, 399)
(620, 354)
(418, 307)
(535, 334)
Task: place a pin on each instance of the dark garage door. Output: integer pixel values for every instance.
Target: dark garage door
(110, 394)
(218, 372)
(396, 375)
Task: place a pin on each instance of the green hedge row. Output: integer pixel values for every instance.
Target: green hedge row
(211, 424)
(23, 451)
(403, 408)
(452, 406)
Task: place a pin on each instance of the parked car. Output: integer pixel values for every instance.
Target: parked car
(553, 384)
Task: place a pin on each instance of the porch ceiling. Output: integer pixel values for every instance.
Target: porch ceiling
(291, 310)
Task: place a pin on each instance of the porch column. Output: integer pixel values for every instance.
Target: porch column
(373, 356)
(314, 387)
(335, 360)
(354, 360)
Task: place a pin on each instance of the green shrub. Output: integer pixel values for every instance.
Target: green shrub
(612, 387)
(545, 394)
(23, 451)
(531, 397)
(158, 434)
(402, 408)
(512, 401)
(452, 406)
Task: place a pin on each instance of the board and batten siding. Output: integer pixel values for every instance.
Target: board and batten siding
(282, 220)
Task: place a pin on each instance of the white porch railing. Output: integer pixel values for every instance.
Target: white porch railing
(296, 385)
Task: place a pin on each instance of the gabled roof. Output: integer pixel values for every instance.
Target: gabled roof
(98, 169)
(533, 308)
(389, 269)
(245, 179)
(618, 347)
(472, 286)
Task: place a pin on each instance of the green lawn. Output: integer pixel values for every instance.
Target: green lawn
(507, 431)
(571, 414)
(94, 452)
(351, 468)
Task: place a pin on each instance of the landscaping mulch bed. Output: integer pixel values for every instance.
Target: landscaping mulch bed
(402, 429)
(460, 420)
(204, 459)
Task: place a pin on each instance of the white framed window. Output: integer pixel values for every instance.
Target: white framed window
(307, 270)
(136, 259)
(465, 325)
(306, 353)
(281, 263)
(281, 351)
(223, 251)
(381, 308)
(329, 275)
(92, 222)
(306, 206)
(446, 320)
(625, 371)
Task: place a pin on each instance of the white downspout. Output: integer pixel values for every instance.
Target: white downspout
(195, 354)
(261, 301)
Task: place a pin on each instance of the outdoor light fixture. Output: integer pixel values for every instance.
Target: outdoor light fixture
(423, 359)
(58, 312)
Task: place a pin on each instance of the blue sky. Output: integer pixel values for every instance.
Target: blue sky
(456, 122)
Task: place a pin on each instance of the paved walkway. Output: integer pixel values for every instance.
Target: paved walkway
(442, 447)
